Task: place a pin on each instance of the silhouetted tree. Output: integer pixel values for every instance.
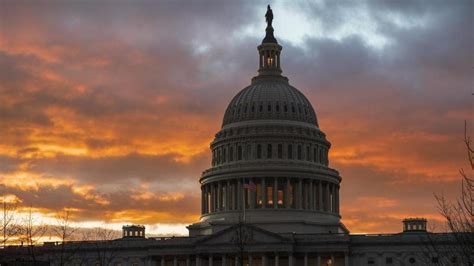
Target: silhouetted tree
(32, 230)
(457, 246)
(9, 221)
(103, 244)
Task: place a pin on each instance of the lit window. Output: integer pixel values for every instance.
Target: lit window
(270, 195)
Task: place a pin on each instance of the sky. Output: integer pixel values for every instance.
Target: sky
(107, 108)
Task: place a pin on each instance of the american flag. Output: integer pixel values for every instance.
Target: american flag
(250, 185)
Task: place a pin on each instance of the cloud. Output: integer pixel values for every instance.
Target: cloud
(107, 104)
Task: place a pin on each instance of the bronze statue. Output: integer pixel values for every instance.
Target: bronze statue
(269, 16)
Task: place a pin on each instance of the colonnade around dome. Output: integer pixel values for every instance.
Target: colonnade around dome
(270, 193)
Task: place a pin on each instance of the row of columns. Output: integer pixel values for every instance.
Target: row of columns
(249, 151)
(275, 192)
(328, 260)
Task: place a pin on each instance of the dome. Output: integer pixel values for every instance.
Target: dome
(270, 98)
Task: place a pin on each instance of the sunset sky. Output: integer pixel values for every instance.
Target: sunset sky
(107, 108)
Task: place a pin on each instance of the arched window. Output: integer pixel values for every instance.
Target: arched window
(259, 151)
(290, 151)
(300, 155)
(231, 154)
(280, 151)
(269, 151)
(239, 153)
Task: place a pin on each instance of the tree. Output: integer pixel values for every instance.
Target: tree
(459, 220)
(102, 241)
(9, 222)
(64, 231)
(32, 231)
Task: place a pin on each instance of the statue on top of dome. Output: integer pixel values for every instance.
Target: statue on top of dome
(269, 17)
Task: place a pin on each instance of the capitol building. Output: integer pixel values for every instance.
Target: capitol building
(269, 198)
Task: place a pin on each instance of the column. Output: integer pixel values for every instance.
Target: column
(219, 196)
(275, 192)
(211, 260)
(198, 261)
(346, 259)
(318, 260)
(227, 196)
(175, 261)
(306, 195)
(333, 260)
(252, 193)
(327, 197)
(300, 190)
(264, 260)
(311, 195)
(277, 260)
(224, 260)
(306, 259)
(239, 195)
(163, 261)
(291, 261)
(337, 199)
(320, 194)
(236, 261)
(264, 193)
(287, 193)
(202, 200)
(212, 197)
(250, 259)
(188, 261)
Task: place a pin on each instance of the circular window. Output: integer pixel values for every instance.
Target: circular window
(412, 260)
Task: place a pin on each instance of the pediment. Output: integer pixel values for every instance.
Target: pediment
(245, 234)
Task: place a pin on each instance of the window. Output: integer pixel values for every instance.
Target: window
(280, 151)
(280, 193)
(269, 151)
(278, 108)
(293, 109)
(259, 194)
(291, 193)
(269, 107)
(249, 152)
(454, 259)
(259, 151)
(269, 195)
(388, 260)
(290, 151)
(315, 154)
(253, 108)
(412, 260)
(435, 260)
(223, 156)
(239, 153)
(307, 153)
(231, 154)
(299, 152)
(371, 261)
(285, 108)
(261, 108)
